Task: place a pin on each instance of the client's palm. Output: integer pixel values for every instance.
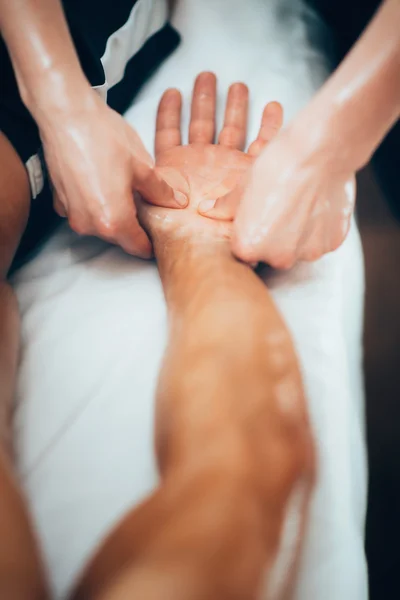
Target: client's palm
(203, 170)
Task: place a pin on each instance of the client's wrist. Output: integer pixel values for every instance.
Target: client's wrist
(191, 269)
(194, 248)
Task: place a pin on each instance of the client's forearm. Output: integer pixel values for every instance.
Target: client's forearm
(233, 444)
(228, 340)
(230, 397)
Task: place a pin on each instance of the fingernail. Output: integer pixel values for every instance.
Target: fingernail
(181, 199)
(206, 205)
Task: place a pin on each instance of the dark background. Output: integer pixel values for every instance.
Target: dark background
(378, 203)
(380, 234)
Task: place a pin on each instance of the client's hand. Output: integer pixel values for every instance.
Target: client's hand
(202, 170)
(232, 439)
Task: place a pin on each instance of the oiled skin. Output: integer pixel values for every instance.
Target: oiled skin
(232, 435)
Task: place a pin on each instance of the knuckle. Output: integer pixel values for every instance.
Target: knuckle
(143, 172)
(109, 228)
(131, 249)
(245, 250)
(78, 226)
(137, 244)
(59, 209)
(118, 224)
(105, 231)
(284, 261)
(335, 246)
(312, 251)
(230, 136)
(339, 238)
(200, 129)
(255, 147)
(312, 255)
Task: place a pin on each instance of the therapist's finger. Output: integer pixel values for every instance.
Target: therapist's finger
(271, 123)
(168, 124)
(225, 207)
(233, 134)
(202, 118)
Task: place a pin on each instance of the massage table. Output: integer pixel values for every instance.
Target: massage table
(94, 330)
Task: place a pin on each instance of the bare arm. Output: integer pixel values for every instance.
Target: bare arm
(232, 436)
(95, 159)
(233, 443)
(298, 201)
(43, 55)
(361, 100)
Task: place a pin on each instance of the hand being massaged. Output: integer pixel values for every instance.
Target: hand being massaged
(204, 170)
(232, 439)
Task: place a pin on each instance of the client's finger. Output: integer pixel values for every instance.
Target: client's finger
(233, 133)
(271, 123)
(202, 118)
(168, 124)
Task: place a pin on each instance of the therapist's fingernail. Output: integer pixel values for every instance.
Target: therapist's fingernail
(181, 199)
(206, 205)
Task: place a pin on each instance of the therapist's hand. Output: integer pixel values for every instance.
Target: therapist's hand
(204, 170)
(96, 161)
(299, 197)
(296, 203)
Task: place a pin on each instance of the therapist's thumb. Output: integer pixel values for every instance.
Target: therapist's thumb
(224, 208)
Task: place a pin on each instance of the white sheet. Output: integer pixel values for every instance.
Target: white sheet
(94, 327)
